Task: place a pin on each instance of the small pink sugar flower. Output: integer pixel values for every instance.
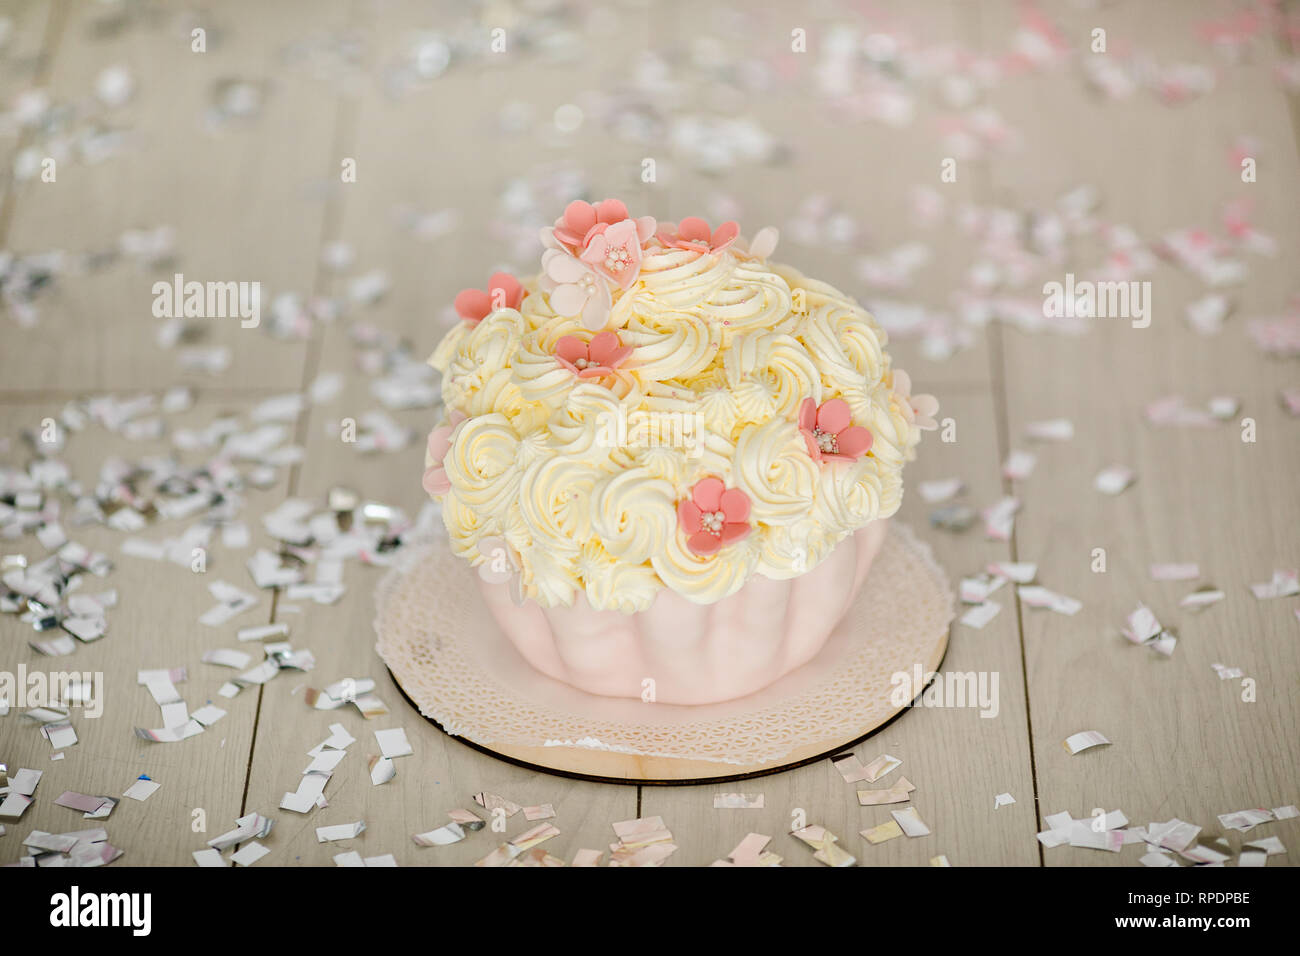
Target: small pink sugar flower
(830, 433)
(604, 236)
(761, 246)
(435, 479)
(576, 289)
(504, 291)
(693, 234)
(713, 516)
(615, 250)
(919, 409)
(580, 218)
(594, 359)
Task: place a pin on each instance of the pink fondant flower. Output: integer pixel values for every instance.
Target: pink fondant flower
(713, 516)
(615, 251)
(576, 289)
(580, 218)
(503, 292)
(435, 479)
(604, 236)
(692, 233)
(761, 246)
(830, 433)
(599, 357)
(919, 409)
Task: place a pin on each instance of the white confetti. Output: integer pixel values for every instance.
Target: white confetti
(393, 743)
(1083, 740)
(1113, 480)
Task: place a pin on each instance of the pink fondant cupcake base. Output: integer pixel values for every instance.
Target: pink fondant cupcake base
(679, 652)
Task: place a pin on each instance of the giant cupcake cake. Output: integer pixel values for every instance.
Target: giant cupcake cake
(670, 459)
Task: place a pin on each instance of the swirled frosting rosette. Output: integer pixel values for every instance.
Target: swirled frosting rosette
(661, 407)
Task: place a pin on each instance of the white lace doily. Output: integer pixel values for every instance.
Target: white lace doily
(451, 660)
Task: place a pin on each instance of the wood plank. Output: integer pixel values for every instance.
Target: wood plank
(957, 759)
(391, 140)
(256, 200)
(244, 200)
(1201, 495)
(31, 29)
(155, 625)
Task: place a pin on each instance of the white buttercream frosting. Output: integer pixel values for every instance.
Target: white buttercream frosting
(583, 477)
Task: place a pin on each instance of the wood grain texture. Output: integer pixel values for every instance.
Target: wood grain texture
(32, 31)
(260, 199)
(407, 157)
(1201, 495)
(244, 199)
(154, 626)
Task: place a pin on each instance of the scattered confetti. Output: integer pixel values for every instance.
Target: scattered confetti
(1113, 480)
(944, 489)
(977, 588)
(871, 75)
(142, 789)
(900, 792)
(853, 771)
(1056, 429)
(1175, 572)
(825, 846)
(1000, 518)
(1019, 465)
(883, 832)
(981, 614)
(1036, 596)
(393, 743)
(1021, 572)
(443, 836)
(470, 821)
(1271, 846)
(382, 770)
(1245, 820)
(1085, 739)
(1283, 584)
(340, 831)
(750, 851)
(738, 801)
(1143, 628)
(491, 802)
(642, 842)
(954, 518)
(249, 854)
(246, 827)
(910, 821)
(1202, 598)
(506, 853)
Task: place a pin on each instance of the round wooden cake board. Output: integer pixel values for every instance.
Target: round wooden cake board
(603, 766)
(451, 664)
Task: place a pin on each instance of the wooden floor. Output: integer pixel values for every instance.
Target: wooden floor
(261, 198)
